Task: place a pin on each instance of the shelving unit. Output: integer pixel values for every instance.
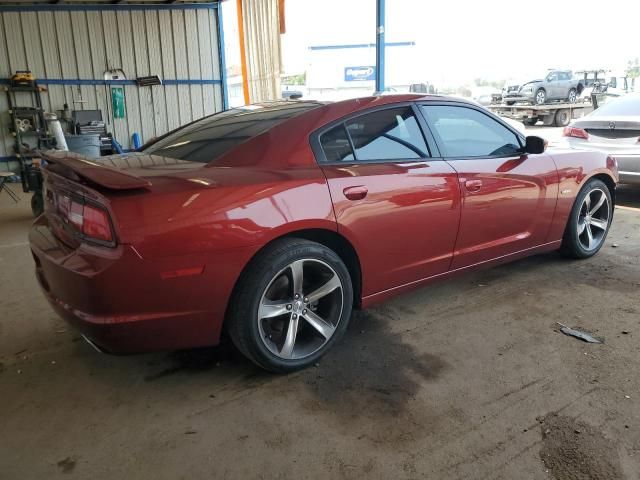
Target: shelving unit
(30, 132)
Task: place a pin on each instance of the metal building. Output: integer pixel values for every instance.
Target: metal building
(75, 50)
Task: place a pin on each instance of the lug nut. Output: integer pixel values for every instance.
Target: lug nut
(304, 312)
(289, 307)
(296, 296)
(306, 300)
(294, 316)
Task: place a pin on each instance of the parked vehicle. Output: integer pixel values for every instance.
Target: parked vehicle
(484, 95)
(614, 129)
(292, 94)
(274, 221)
(556, 85)
(556, 114)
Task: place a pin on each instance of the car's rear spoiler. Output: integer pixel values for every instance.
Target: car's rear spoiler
(75, 167)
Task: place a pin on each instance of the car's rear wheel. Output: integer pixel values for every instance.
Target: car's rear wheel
(573, 96)
(541, 97)
(563, 117)
(291, 306)
(589, 221)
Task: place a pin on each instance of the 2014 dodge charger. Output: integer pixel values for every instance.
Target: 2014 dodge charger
(274, 221)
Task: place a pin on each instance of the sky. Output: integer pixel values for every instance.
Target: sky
(458, 41)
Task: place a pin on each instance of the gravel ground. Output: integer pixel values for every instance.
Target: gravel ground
(467, 379)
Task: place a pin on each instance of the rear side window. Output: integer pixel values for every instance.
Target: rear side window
(391, 134)
(336, 145)
(386, 135)
(466, 132)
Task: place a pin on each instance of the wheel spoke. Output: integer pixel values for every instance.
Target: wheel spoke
(321, 325)
(272, 309)
(290, 341)
(598, 204)
(589, 237)
(601, 224)
(587, 202)
(581, 226)
(324, 290)
(297, 275)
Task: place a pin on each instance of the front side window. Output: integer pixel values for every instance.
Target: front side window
(466, 132)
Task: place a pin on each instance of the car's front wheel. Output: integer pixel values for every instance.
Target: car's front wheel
(573, 96)
(291, 305)
(589, 221)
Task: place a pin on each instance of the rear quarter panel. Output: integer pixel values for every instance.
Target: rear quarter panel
(214, 226)
(575, 168)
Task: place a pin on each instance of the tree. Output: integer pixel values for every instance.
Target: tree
(633, 68)
(483, 82)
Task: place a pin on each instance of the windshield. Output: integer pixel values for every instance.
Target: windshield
(209, 138)
(627, 105)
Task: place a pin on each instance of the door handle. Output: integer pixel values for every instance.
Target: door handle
(355, 193)
(473, 185)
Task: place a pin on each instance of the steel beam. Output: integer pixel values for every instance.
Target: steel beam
(380, 45)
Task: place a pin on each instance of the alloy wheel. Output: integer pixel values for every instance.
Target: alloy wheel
(300, 309)
(572, 96)
(540, 97)
(593, 219)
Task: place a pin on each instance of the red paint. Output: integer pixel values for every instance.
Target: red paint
(182, 272)
(184, 234)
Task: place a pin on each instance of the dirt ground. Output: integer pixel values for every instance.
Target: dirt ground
(467, 379)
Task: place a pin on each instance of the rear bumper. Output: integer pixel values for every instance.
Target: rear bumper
(119, 301)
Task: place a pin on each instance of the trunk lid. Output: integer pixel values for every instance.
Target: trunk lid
(611, 130)
(75, 167)
(77, 189)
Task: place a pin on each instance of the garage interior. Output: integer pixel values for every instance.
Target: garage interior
(469, 378)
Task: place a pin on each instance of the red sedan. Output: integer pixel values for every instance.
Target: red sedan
(273, 221)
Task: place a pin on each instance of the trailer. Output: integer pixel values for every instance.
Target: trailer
(551, 114)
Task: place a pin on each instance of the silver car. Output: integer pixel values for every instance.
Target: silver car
(613, 128)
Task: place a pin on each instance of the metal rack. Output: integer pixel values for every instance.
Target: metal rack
(29, 123)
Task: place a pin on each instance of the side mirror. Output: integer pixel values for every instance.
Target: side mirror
(535, 144)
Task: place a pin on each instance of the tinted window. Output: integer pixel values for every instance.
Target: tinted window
(211, 137)
(465, 132)
(626, 105)
(335, 145)
(391, 134)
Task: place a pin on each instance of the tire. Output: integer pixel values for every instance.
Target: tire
(585, 221)
(264, 310)
(531, 121)
(510, 102)
(562, 117)
(573, 96)
(540, 97)
(37, 204)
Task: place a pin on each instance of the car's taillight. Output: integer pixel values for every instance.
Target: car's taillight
(575, 133)
(89, 221)
(96, 224)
